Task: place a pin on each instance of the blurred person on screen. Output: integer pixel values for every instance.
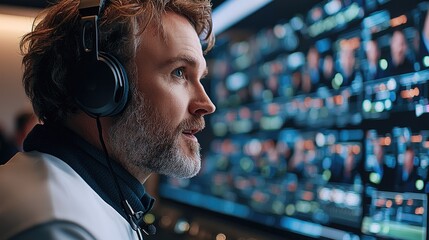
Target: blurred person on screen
(372, 52)
(408, 178)
(421, 42)
(347, 64)
(328, 69)
(312, 74)
(399, 62)
(381, 175)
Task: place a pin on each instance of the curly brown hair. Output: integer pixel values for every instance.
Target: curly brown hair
(51, 51)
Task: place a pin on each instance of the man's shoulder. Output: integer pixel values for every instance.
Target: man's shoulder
(24, 172)
(37, 188)
(30, 173)
(53, 230)
(25, 200)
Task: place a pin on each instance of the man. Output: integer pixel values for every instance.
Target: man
(383, 176)
(312, 76)
(24, 122)
(421, 41)
(347, 63)
(7, 147)
(407, 179)
(328, 70)
(399, 62)
(70, 183)
(343, 166)
(372, 52)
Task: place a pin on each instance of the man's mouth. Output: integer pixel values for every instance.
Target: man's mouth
(190, 133)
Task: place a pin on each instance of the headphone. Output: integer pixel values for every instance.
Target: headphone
(101, 89)
(101, 86)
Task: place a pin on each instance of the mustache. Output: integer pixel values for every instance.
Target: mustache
(197, 123)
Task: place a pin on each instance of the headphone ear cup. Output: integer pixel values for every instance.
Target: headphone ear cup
(102, 87)
(121, 93)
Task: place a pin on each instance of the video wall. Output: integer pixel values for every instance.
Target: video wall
(321, 128)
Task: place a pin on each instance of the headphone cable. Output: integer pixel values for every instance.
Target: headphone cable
(124, 203)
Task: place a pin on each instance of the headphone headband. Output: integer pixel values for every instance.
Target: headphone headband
(91, 7)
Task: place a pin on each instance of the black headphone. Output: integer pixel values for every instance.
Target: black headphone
(101, 89)
(101, 86)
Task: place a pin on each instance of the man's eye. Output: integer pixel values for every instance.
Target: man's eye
(179, 73)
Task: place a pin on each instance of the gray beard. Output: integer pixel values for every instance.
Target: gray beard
(142, 139)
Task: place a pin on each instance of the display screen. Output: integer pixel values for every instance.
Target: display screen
(396, 193)
(321, 127)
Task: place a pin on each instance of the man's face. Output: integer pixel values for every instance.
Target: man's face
(372, 52)
(313, 58)
(409, 160)
(398, 48)
(328, 66)
(378, 152)
(347, 60)
(156, 131)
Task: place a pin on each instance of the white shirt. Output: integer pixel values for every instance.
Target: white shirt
(37, 188)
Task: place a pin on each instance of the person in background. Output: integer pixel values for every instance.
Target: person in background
(296, 164)
(296, 81)
(398, 63)
(24, 123)
(351, 172)
(343, 167)
(372, 52)
(408, 177)
(312, 75)
(347, 63)
(328, 70)
(421, 42)
(383, 175)
(82, 171)
(7, 147)
(337, 165)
